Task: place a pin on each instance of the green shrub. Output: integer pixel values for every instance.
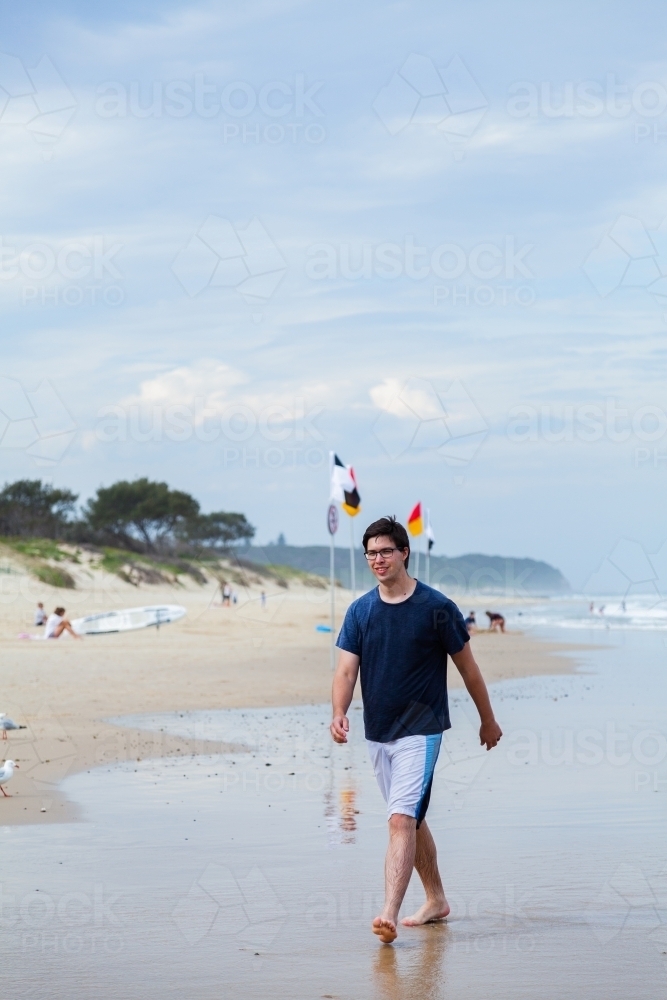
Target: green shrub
(54, 576)
(36, 548)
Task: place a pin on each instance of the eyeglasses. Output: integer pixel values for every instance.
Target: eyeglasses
(385, 553)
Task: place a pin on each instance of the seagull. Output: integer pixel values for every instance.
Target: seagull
(6, 772)
(6, 723)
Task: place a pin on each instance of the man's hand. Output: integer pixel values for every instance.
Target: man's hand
(489, 734)
(339, 728)
(344, 680)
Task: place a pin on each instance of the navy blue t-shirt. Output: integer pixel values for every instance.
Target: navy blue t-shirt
(403, 651)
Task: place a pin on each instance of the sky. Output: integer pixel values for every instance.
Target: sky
(430, 237)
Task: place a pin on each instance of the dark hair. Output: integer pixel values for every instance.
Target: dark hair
(393, 529)
(59, 611)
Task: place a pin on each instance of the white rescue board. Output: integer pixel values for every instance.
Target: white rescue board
(128, 619)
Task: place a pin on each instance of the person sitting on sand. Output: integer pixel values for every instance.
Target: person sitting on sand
(56, 624)
(496, 621)
(40, 614)
(471, 623)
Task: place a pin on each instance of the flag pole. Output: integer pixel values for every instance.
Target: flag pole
(353, 583)
(332, 574)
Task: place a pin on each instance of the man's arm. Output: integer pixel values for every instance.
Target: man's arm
(341, 694)
(489, 731)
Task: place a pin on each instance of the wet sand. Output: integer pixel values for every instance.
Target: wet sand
(216, 657)
(256, 872)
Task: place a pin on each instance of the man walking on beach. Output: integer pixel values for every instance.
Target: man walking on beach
(400, 635)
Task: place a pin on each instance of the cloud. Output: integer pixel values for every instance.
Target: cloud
(421, 415)
(207, 381)
(393, 396)
(211, 389)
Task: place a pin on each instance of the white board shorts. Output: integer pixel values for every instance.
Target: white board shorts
(404, 771)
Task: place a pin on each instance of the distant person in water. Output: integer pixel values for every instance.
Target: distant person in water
(40, 615)
(496, 621)
(56, 624)
(471, 623)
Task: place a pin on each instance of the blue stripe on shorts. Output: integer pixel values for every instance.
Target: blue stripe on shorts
(430, 760)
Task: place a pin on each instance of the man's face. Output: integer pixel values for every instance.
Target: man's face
(384, 559)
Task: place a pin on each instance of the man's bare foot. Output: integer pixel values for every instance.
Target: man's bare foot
(428, 913)
(385, 929)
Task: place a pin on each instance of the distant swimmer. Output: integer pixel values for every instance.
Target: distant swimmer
(40, 615)
(591, 608)
(496, 621)
(398, 637)
(471, 623)
(56, 624)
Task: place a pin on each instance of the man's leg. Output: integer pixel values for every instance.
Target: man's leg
(436, 906)
(399, 863)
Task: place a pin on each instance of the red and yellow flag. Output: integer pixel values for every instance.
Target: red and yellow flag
(415, 521)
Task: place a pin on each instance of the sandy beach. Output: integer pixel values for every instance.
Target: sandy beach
(216, 657)
(181, 814)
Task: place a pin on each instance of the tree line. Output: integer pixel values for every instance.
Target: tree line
(139, 515)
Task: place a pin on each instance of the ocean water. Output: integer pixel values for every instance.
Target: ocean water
(256, 873)
(636, 613)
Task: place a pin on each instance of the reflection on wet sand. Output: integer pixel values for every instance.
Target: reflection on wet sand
(414, 967)
(341, 815)
(340, 798)
(347, 803)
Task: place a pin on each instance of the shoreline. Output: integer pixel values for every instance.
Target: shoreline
(215, 658)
